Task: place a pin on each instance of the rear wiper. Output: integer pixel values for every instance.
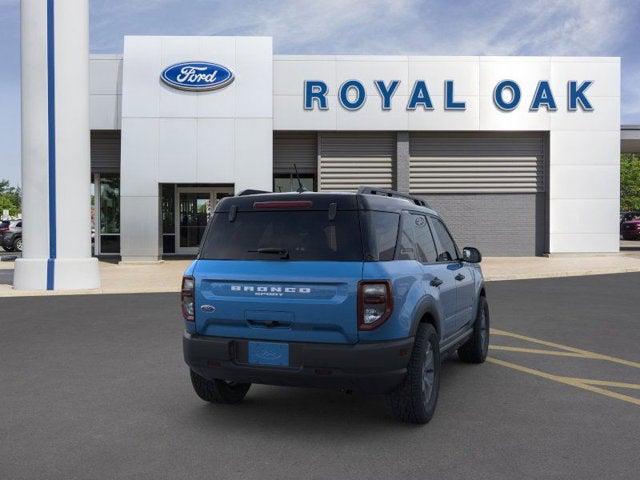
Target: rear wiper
(283, 252)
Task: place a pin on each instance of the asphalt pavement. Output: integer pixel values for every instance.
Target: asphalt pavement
(94, 387)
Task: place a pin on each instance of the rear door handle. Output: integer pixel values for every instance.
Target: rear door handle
(436, 282)
(459, 277)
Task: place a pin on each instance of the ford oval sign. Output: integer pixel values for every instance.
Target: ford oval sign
(197, 76)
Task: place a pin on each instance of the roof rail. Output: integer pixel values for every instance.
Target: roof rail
(250, 191)
(385, 192)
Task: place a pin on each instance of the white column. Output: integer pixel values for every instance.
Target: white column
(55, 148)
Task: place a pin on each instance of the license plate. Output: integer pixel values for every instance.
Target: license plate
(269, 353)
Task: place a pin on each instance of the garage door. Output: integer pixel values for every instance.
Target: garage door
(295, 147)
(105, 151)
(489, 187)
(351, 159)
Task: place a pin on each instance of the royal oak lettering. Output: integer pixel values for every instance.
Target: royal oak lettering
(507, 95)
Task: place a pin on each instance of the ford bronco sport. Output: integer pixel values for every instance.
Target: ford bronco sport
(361, 291)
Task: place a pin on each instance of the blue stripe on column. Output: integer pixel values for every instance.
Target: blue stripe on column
(51, 111)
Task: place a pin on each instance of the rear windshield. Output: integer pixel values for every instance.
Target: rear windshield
(303, 235)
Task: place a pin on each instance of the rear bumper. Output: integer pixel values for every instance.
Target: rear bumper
(366, 367)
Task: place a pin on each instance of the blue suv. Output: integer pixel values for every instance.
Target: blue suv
(361, 291)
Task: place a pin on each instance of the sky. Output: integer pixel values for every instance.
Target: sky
(427, 27)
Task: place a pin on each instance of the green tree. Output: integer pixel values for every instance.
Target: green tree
(630, 182)
(10, 198)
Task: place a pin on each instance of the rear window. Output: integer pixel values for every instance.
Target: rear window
(304, 235)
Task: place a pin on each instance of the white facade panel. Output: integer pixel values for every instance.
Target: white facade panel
(605, 116)
(603, 72)
(597, 181)
(368, 71)
(177, 104)
(105, 75)
(223, 49)
(139, 165)
(139, 235)
(177, 150)
(584, 216)
(525, 71)
(140, 86)
(289, 75)
(104, 112)
(520, 119)
(215, 144)
(585, 242)
(289, 114)
(371, 117)
(435, 72)
(253, 90)
(220, 105)
(439, 119)
(253, 160)
(570, 148)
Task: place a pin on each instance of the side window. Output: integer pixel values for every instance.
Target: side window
(406, 242)
(382, 234)
(424, 240)
(447, 250)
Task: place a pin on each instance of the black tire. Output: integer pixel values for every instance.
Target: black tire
(218, 391)
(17, 245)
(414, 401)
(475, 349)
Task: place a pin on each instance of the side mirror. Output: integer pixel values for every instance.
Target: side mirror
(471, 255)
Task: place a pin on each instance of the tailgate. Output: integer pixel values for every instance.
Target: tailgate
(278, 300)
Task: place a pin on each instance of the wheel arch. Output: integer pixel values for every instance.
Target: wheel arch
(427, 313)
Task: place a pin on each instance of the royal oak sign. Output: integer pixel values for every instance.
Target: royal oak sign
(506, 95)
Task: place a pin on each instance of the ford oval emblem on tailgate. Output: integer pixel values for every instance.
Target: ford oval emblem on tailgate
(197, 76)
(207, 308)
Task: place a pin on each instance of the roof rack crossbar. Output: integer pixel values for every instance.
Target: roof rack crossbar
(385, 192)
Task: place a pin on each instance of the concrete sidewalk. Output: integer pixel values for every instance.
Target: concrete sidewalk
(166, 276)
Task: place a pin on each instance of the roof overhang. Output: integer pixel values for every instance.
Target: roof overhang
(630, 139)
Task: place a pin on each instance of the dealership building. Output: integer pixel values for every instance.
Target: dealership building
(519, 154)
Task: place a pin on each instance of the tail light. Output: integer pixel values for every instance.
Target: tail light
(375, 303)
(186, 298)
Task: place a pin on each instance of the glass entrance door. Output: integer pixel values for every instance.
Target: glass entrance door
(194, 207)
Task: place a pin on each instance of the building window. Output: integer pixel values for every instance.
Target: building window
(168, 212)
(289, 182)
(109, 213)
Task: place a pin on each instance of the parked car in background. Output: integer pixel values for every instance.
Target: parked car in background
(4, 226)
(11, 236)
(626, 216)
(630, 225)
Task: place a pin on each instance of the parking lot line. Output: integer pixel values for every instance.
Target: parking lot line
(591, 385)
(606, 383)
(584, 353)
(574, 382)
(538, 351)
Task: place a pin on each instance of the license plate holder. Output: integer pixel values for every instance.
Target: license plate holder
(268, 353)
